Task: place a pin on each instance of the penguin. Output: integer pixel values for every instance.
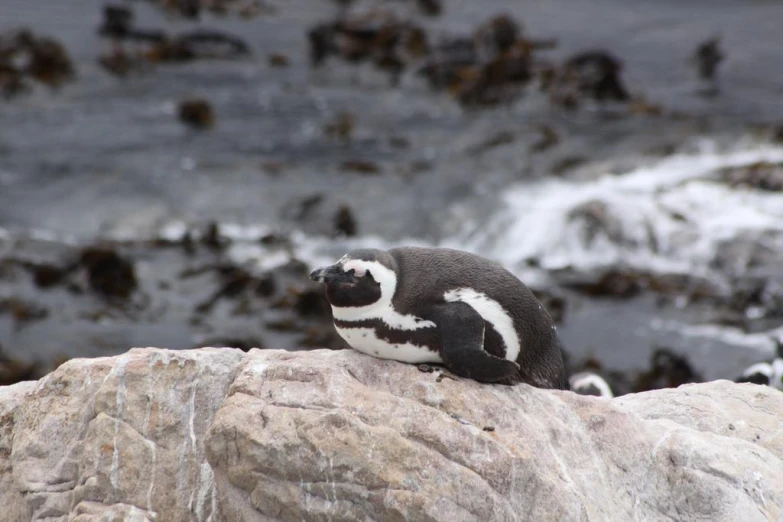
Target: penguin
(425, 305)
(764, 373)
(589, 383)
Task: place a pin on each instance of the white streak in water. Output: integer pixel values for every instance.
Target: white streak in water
(674, 201)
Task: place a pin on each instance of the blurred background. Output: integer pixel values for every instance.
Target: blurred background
(171, 169)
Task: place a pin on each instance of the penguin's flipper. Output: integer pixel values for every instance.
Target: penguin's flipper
(462, 340)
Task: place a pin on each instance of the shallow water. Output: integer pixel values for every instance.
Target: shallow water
(107, 157)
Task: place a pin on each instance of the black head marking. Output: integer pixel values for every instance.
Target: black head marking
(349, 287)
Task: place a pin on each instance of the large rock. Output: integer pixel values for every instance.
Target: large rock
(216, 434)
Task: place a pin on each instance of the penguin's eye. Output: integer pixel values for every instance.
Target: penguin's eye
(358, 272)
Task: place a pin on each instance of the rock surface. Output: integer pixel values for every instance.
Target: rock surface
(217, 434)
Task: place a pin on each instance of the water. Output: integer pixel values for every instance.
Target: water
(104, 157)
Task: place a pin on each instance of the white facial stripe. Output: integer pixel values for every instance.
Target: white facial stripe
(491, 311)
(381, 309)
(365, 341)
(591, 379)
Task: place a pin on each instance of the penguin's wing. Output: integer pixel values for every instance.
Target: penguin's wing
(462, 344)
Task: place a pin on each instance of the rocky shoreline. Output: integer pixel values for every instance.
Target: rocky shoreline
(248, 124)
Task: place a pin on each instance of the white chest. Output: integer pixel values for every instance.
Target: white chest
(365, 341)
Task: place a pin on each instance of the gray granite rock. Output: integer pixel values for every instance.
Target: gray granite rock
(217, 434)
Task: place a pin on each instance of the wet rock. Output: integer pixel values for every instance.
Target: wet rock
(117, 21)
(762, 175)
(304, 207)
(273, 167)
(154, 46)
(499, 138)
(488, 68)
(497, 81)
(625, 283)
(194, 9)
(13, 371)
(639, 106)
(589, 74)
(563, 165)
(278, 60)
(22, 311)
(26, 57)
(47, 275)
(548, 138)
(341, 126)
(375, 36)
(234, 282)
(212, 238)
(596, 220)
(345, 222)
(706, 58)
(667, 370)
(430, 7)
(497, 35)
(208, 43)
(360, 167)
(196, 113)
(108, 273)
(122, 64)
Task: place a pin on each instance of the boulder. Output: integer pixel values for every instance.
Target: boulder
(219, 434)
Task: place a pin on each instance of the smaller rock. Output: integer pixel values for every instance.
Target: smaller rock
(430, 7)
(360, 167)
(548, 139)
(196, 113)
(108, 273)
(341, 126)
(762, 175)
(13, 371)
(589, 74)
(667, 370)
(497, 35)
(22, 311)
(278, 60)
(345, 222)
(706, 58)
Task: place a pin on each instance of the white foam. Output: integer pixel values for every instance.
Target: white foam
(670, 215)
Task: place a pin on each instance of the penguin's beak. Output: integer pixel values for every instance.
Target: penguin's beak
(329, 274)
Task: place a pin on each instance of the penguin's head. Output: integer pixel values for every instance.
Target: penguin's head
(588, 383)
(361, 278)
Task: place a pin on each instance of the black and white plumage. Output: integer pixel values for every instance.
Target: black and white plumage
(589, 383)
(764, 373)
(440, 305)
